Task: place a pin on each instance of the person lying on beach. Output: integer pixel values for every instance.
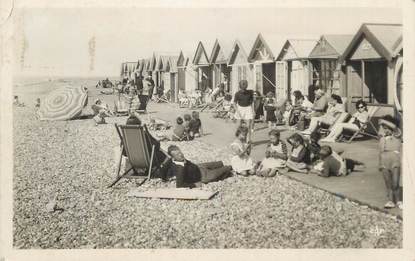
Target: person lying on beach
(158, 124)
(190, 175)
(299, 154)
(101, 111)
(242, 163)
(17, 102)
(195, 125)
(275, 156)
(332, 164)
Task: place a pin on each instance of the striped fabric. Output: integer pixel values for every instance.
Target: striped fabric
(63, 104)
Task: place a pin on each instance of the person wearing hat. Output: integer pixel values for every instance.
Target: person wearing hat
(243, 100)
(390, 159)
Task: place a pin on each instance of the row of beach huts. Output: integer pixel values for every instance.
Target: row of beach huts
(367, 65)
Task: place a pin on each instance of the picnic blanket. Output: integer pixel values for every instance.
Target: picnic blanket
(173, 193)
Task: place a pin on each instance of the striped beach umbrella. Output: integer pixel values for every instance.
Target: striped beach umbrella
(63, 104)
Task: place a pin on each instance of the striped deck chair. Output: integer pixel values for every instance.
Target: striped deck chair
(363, 129)
(140, 152)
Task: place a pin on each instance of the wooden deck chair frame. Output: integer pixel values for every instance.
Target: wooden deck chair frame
(362, 129)
(139, 156)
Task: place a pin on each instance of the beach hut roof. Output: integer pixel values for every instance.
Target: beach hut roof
(172, 64)
(200, 56)
(161, 59)
(386, 39)
(271, 42)
(220, 51)
(296, 49)
(330, 46)
(241, 44)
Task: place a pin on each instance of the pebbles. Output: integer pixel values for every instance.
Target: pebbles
(252, 212)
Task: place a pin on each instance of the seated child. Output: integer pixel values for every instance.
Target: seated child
(299, 154)
(195, 125)
(179, 130)
(242, 163)
(390, 159)
(313, 147)
(101, 111)
(275, 156)
(187, 118)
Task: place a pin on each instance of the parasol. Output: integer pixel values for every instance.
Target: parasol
(63, 104)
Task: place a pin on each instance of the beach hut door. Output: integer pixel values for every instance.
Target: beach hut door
(281, 81)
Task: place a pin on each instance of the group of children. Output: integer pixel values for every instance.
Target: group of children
(187, 128)
(308, 156)
(304, 157)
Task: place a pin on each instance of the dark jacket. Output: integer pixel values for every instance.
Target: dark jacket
(185, 176)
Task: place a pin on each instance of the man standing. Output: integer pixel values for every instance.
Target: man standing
(148, 83)
(244, 100)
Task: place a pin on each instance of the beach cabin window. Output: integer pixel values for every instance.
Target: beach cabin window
(324, 73)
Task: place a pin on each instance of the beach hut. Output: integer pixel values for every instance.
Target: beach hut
(130, 69)
(202, 66)
(294, 68)
(221, 72)
(327, 72)
(171, 79)
(263, 55)
(373, 61)
(187, 79)
(241, 68)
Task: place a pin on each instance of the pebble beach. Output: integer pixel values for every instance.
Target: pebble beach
(74, 161)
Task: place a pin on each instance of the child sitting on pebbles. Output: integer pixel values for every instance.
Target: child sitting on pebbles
(187, 118)
(242, 163)
(101, 111)
(195, 125)
(299, 154)
(275, 156)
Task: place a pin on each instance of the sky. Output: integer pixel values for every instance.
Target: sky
(57, 42)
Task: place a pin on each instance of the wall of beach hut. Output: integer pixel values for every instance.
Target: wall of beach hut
(372, 63)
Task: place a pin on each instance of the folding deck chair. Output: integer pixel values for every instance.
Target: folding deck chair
(341, 117)
(140, 151)
(363, 128)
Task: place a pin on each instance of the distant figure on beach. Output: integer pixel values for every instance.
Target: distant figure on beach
(101, 111)
(243, 100)
(190, 175)
(148, 85)
(195, 126)
(37, 104)
(17, 102)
